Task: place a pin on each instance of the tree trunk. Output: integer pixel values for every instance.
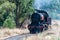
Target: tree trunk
(17, 17)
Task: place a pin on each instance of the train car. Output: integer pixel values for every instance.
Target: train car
(40, 21)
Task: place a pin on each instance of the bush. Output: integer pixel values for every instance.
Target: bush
(9, 22)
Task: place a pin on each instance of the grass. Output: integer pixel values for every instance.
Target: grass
(51, 34)
(6, 32)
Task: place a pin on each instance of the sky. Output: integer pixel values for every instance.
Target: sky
(38, 3)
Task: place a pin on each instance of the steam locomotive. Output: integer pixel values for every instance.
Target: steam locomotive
(40, 21)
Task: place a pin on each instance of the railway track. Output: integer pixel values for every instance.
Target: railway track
(19, 37)
(26, 35)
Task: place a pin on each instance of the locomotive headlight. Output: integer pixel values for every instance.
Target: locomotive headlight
(42, 16)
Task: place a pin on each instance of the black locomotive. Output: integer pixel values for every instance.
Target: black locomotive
(40, 21)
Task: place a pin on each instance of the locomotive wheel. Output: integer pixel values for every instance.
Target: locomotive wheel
(46, 27)
(32, 31)
(41, 30)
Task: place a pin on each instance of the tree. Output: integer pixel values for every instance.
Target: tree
(14, 10)
(23, 9)
(6, 10)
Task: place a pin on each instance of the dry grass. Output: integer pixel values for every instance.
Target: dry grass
(5, 33)
(51, 34)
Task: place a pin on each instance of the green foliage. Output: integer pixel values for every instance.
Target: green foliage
(26, 8)
(8, 6)
(7, 14)
(9, 22)
(23, 9)
(2, 1)
(14, 9)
